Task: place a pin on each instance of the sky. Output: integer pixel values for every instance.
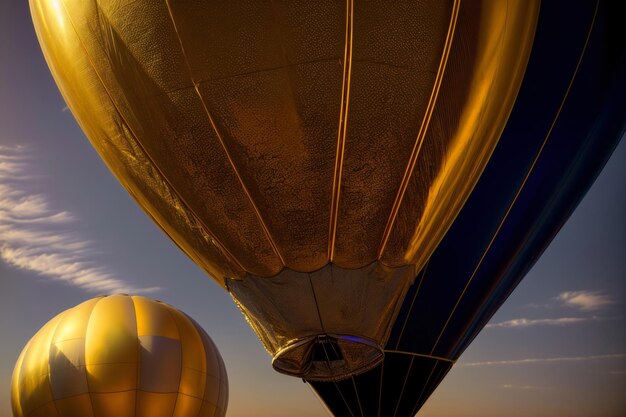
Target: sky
(69, 232)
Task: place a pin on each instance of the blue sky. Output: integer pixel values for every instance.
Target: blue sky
(68, 232)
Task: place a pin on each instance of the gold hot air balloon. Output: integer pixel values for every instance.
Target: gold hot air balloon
(120, 356)
(309, 156)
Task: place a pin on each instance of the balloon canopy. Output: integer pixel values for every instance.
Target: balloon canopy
(120, 356)
(308, 155)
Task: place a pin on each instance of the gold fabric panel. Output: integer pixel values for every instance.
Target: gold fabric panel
(119, 404)
(155, 405)
(33, 379)
(100, 118)
(89, 362)
(48, 410)
(154, 319)
(396, 56)
(187, 406)
(216, 377)
(160, 364)
(16, 397)
(111, 346)
(208, 410)
(483, 74)
(73, 325)
(170, 126)
(78, 406)
(194, 363)
(274, 91)
(67, 368)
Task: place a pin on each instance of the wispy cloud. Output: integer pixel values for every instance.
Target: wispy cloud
(545, 360)
(560, 321)
(39, 239)
(526, 387)
(617, 373)
(585, 300)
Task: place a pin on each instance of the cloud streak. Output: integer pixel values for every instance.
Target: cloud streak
(544, 360)
(560, 321)
(585, 300)
(525, 387)
(36, 238)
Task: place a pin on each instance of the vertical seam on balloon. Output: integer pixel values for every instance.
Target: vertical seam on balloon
(56, 326)
(180, 341)
(219, 371)
(138, 342)
(419, 398)
(319, 313)
(229, 256)
(218, 359)
(256, 210)
(406, 320)
(209, 343)
(341, 131)
(356, 392)
(343, 399)
(421, 135)
(15, 379)
(93, 410)
(28, 347)
(330, 369)
(528, 174)
(182, 352)
(406, 378)
(337, 354)
(195, 328)
(380, 386)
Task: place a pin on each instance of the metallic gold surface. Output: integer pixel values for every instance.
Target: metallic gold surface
(120, 356)
(271, 139)
(485, 69)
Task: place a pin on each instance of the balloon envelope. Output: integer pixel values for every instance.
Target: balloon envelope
(308, 155)
(120, 356)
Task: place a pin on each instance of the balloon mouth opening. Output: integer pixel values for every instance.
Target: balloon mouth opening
(327, 357)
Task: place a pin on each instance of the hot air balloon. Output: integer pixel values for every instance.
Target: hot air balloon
(118, 356)
(311, 157)
(568, 117)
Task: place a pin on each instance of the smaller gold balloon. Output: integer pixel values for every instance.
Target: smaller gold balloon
(120, 356)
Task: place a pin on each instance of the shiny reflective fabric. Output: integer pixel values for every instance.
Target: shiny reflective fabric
(272, 139)
(120, 356)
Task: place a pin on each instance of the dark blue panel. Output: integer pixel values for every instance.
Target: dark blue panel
(424, 373)
(333, 398)
(589, 127)
(407, 381)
